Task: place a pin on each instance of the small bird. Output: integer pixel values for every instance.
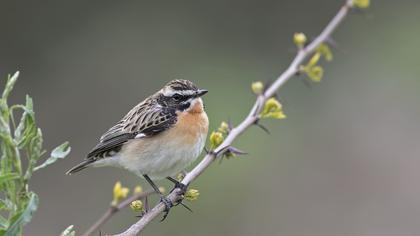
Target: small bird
(158, 138)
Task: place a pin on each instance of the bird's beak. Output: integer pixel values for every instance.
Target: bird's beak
(201, 92)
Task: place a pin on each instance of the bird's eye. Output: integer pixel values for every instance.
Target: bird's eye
(176, 97)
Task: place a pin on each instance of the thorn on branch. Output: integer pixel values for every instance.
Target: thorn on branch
(331, 42)
(141, 214)
(230, 152)
(236, 151)
(306, 82)
(210, 152)
(146, 204)
(262, 126)
(230, 125)
(185, 206)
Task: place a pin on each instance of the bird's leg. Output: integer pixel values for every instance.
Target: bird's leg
(179, 185)
(146, 204)
(165, 200)
(183, 188)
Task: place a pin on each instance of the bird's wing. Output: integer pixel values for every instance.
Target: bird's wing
(144, 120)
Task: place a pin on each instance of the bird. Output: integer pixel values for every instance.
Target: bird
(158, 138)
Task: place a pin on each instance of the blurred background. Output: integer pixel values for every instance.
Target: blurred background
(345, 161)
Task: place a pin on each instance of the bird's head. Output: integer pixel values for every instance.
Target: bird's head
(181, 95)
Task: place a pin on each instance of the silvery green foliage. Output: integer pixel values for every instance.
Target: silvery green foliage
(20, 142)
(68, 232)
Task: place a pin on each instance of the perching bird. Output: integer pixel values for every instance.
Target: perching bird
(158, 138)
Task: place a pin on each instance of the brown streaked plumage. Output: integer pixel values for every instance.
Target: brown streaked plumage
(158, 138)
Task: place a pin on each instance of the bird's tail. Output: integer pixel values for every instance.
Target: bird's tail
(86, 163)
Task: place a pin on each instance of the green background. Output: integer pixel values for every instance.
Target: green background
(345, 161)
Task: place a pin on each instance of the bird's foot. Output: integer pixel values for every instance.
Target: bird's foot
(168, 206)
(183, 189)
(181, 186)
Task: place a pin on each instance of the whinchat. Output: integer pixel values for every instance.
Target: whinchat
(158, 138)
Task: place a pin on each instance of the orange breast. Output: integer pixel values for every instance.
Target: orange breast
(197, 107)
(191, 126)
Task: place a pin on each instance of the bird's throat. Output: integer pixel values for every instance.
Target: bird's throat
(196, 106)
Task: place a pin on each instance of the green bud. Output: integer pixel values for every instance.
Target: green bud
(299, 39)
(362, 4)
(191, 195)
(325, 51)
(136, 205)
(257, 87)
(216, 138)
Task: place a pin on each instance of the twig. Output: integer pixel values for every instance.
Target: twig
(114, 209)
(252, 117)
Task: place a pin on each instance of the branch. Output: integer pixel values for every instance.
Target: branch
(114, 209)
(250, 120)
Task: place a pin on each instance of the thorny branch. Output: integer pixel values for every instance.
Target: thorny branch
(114, 209)
(253, 116)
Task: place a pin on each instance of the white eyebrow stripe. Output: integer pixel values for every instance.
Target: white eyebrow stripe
(187, 92)
(169, 92)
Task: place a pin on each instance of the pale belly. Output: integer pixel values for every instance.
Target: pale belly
(165, 154)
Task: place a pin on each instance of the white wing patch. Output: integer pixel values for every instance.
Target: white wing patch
(140, 135)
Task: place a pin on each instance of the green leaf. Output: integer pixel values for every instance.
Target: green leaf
(3, 223)
(59, 152)
(68, 232)
(6, 204)
(315, 73)
(2, 204)
(6, 138)
(26, 130)
(314, 59)
(4, 111)
(8, 177)
(24, 216)
(35, 147)
(4, 127)
(9, 85)
(325, 51)
(34, 153)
